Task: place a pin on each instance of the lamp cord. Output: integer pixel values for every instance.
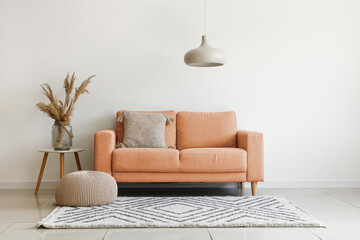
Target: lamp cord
(205, 19)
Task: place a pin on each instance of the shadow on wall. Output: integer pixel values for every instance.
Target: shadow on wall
(85, 136)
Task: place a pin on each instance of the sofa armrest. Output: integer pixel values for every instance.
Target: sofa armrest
(105, 143)
(253, 143)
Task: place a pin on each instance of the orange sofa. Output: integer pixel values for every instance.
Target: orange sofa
(208, 148)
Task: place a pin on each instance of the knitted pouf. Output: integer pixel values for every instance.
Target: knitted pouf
(86, 188)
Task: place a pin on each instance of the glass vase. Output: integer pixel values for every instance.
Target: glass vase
(61, 140)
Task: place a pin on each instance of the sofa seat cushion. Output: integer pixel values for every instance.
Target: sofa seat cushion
(145, 160)
(211, 160)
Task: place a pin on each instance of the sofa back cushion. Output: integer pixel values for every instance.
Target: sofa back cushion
(170, 129)
(203, 130)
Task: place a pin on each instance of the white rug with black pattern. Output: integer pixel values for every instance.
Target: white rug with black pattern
(215, 211)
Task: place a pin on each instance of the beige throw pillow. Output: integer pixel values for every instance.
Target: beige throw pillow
(144, 130)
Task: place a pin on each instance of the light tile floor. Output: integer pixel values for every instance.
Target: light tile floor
(338, 209)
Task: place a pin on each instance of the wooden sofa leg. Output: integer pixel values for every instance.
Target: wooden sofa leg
(241, 185)
(254, 188)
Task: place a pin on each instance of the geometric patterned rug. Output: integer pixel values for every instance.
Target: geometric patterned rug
(215, 211)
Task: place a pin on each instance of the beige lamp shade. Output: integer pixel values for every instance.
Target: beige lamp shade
(205, 56)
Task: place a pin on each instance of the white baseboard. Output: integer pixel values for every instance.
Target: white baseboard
(309, 184)
(27, 184)
(267, 184)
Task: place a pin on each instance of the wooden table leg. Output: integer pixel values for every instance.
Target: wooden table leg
(41, 172)
(77, 161)
(254, 188)
(61, 165)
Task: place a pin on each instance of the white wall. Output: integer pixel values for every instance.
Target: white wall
(293, 73)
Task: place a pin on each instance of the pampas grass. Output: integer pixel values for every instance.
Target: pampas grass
(58, 110)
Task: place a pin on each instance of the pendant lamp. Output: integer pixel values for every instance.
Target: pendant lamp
(205, 55)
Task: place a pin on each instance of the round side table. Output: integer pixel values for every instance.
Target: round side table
(61, 152)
